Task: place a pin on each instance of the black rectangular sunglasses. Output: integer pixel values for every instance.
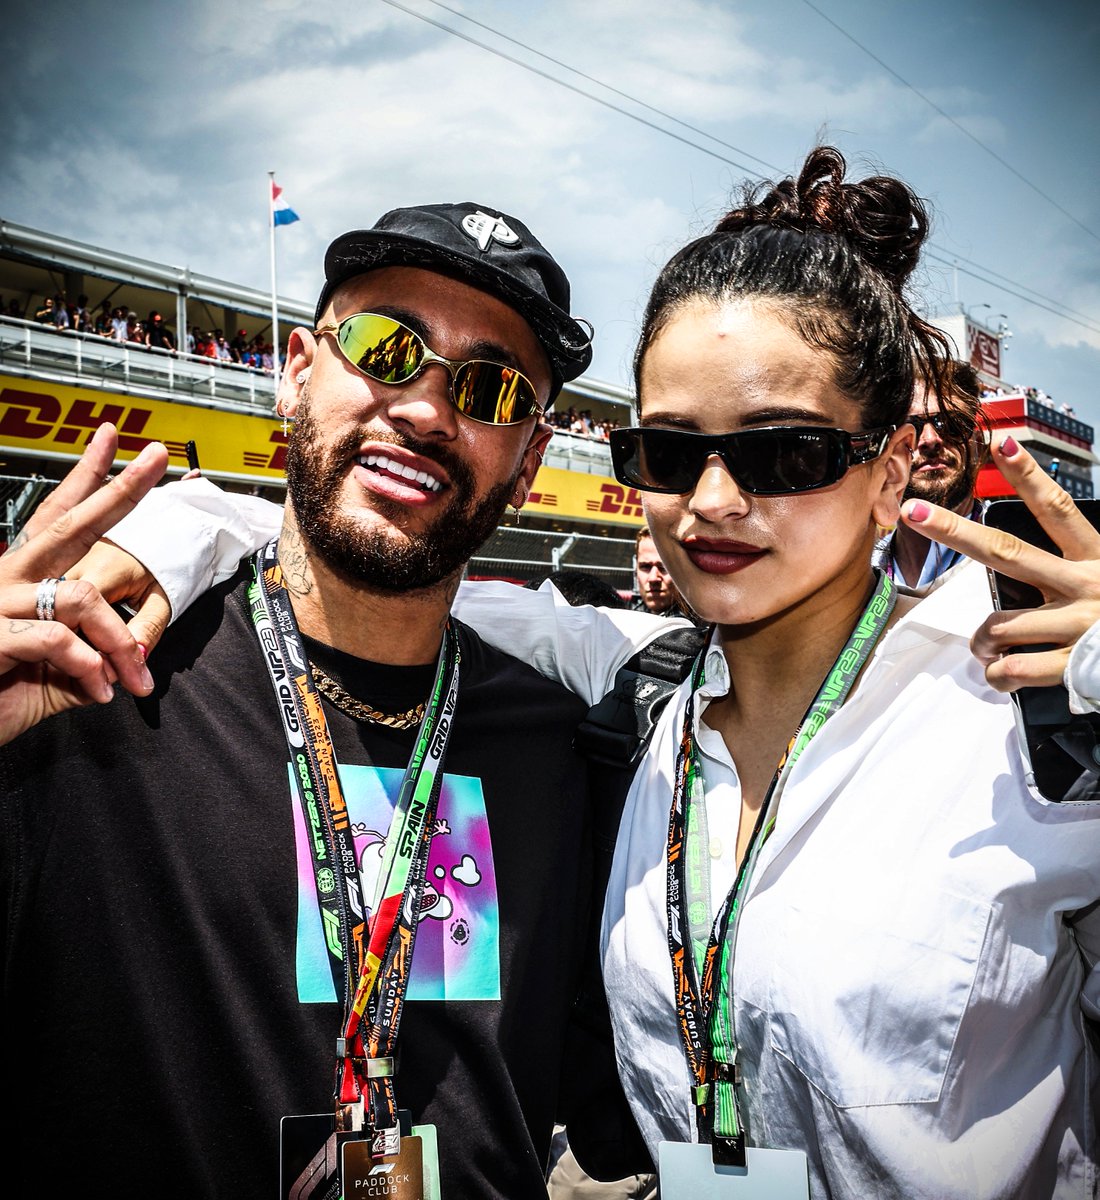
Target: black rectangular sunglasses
(772, 461)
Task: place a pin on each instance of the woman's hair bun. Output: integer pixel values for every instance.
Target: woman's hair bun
(882, 218)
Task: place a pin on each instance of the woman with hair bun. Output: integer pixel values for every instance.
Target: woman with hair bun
(839, 920)
(860, 934)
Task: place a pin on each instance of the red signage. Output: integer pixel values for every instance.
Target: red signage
(984, 350)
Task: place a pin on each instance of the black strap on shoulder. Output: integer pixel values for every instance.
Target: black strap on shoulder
(618, 727)
(613, 736)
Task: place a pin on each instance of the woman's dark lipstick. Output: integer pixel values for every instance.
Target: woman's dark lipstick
(718, 556)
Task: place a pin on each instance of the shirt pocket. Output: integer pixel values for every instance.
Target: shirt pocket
(868, 1008)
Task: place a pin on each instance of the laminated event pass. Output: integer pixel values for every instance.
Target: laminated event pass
(687, 1172)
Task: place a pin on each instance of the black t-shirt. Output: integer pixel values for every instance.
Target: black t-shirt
(164, 996)
(161, 336)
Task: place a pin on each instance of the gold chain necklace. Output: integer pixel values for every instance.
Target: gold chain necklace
(357, 710)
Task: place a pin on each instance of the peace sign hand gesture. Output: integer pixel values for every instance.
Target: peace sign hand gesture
(61, 644)
(1070, 585)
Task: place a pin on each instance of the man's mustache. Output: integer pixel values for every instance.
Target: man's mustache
(348, 446)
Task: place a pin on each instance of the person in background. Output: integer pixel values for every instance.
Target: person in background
(157, 333)
(80, 317)
(656, 591)
(944, 471)
(119, 323)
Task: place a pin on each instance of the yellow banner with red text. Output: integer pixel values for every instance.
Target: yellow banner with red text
(55, 421)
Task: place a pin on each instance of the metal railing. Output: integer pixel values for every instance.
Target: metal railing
(18, 496)
(532, 554)
(27, 348)
(574, 453)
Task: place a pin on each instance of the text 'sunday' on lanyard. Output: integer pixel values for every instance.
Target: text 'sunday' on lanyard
(702, 951)
(374, 978)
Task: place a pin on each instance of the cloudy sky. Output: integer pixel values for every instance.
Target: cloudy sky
(149, 128)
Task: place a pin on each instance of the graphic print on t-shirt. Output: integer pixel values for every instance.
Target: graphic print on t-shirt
(457, 955)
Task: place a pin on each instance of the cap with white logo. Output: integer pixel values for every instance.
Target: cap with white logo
(480, 246)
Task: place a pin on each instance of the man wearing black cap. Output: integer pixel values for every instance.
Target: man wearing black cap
(340, 845)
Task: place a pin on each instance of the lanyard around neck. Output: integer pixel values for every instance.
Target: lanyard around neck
(702, 972)
(375, 984)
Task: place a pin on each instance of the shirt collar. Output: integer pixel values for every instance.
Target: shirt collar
(955, 605)
(716, 674)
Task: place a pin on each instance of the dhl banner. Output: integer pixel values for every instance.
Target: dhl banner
(56, 421)
(570, 494)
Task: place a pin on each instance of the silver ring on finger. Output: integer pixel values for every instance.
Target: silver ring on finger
(44, 600)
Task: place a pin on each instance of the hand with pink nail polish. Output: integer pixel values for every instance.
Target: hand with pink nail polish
(1070, 584)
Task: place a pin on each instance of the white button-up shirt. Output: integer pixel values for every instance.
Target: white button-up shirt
(915, 955)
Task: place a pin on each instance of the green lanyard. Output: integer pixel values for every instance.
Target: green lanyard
(370, 960)
(702, 952)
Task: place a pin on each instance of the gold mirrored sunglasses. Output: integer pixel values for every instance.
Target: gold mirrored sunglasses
(389, 352)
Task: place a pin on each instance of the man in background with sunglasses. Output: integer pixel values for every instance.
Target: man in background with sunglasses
(341, 846)
(946, 460)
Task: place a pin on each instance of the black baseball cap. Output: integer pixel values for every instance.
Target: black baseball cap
(480, 246)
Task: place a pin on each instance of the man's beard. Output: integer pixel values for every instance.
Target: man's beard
(950, 491)
(387, 560)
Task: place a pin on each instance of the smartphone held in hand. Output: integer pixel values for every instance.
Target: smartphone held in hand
(1060, 749)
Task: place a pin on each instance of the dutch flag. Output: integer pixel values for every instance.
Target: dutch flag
(281, 212)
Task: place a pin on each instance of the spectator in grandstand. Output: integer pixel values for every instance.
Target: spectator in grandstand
(45, 314)
(119, 323)
(221, 347)
(239, 345)
(79, 316)
(157, 334)
(102, 322)
(15, 309)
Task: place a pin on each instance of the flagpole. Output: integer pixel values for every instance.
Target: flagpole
(274, 288)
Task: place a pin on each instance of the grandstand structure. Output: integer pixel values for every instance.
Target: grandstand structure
(1060, 443)
(58, 385)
